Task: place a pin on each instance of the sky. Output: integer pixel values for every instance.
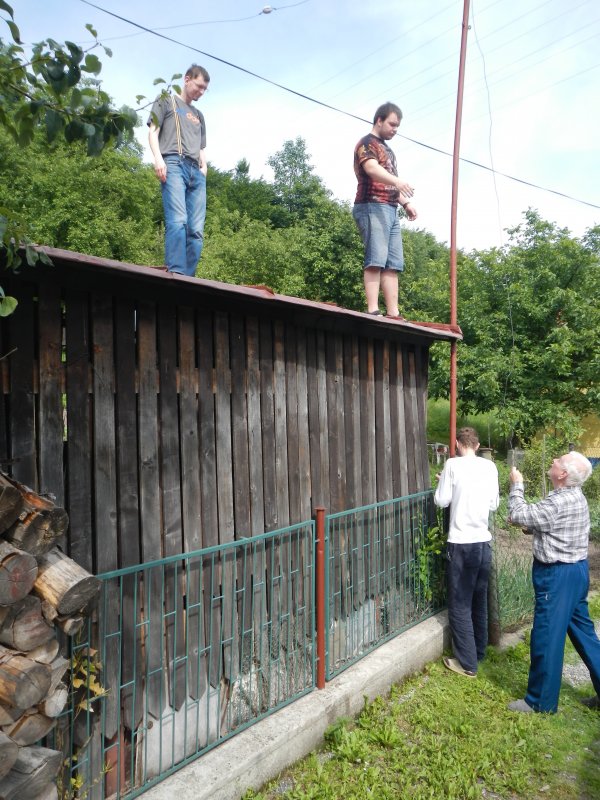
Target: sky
(531, 103)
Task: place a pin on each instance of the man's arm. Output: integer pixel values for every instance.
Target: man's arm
(540, 516)
(443, 493)
(378, 173)
(203, 162)
(160, 168)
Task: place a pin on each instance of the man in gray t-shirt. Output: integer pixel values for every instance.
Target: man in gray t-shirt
(178, 140)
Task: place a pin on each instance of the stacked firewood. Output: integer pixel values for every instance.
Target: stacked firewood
(42, 592)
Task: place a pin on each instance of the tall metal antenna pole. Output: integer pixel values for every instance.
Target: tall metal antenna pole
(453, 214)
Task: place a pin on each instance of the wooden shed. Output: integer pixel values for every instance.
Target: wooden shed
(169, 413)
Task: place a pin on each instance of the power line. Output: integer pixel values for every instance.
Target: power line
(327, 105)
(265, 10)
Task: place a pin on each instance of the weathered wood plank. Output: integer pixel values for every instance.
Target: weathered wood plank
(368, 452)
(24, 466)
(170, 479)
(241, 483)
(208, 488)
(353, 461)
(225, 493)
(105, 485)
(150, 506)
(190, 496)
(50, 391)
(257, 508)
(128, 508)
(79, 428)
(411, 416)
(337, 467)
(282, 552)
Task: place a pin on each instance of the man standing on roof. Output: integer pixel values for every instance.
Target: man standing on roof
(379, 192)
(178, 139)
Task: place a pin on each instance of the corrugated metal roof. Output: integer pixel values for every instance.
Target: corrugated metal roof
(433, 330)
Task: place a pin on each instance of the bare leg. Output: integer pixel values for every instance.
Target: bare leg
(389, 286)
(372, 277)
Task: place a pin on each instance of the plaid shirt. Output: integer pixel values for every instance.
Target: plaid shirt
(560, 523)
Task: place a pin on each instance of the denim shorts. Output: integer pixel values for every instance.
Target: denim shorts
(380, 231)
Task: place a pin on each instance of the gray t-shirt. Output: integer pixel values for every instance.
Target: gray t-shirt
(192, 124)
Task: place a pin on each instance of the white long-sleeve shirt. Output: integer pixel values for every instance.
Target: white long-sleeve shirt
(469, 485)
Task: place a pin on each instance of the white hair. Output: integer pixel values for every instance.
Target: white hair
(577, 467)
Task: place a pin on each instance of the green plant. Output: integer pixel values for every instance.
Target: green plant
(429, 575)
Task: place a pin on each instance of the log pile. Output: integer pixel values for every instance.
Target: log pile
(42, 592)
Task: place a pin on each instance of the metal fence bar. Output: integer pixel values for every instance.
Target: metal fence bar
(400, 583)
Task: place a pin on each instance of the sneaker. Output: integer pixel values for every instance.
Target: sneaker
(592, 702)
(520, 705)
(376, 313)
(455, 665)
(395, 316)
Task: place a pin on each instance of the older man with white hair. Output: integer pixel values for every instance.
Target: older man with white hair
(560, 525)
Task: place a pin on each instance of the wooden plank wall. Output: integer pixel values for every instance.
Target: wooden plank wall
(166, 423)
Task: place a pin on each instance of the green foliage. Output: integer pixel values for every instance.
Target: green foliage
(106, 206)
(531, 324)
(429, 576)
(538, 459)
(49, 91)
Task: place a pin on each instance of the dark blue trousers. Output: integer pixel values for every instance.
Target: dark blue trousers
(561, 609)
(468, 571)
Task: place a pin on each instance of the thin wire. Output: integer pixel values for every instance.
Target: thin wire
(506, 281)
(262, 12)
(327, 105)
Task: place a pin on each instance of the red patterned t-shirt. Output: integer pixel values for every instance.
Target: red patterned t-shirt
(368, 190)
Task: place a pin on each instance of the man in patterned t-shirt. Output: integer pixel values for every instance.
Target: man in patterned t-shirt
(379, 192)
(178, 140)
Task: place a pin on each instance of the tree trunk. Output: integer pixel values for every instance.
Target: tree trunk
(70, 626)
(64, 583)
(22, 625)
(45, 653)
(18, 571)
(30, 728)
(11, 503)
(54, 703)
(34, 770)
(23, 683)
(39, 524)
(58, 667)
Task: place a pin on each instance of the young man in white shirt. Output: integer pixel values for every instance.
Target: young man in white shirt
(469, 485)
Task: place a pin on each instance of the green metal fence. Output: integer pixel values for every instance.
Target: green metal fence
(383, 575)
(182, 654)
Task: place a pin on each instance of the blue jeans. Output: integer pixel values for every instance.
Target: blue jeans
(468, 572)
(560, 608)
(379, 228)
(184, 204)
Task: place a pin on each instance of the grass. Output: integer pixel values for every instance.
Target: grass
(515, 589)
(438, 735)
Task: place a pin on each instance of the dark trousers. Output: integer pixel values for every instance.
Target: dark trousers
(561, 608)
(468, 572)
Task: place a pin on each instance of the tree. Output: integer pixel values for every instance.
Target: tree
(296, 187)
(107, 206)
(50, 92)
(531, 325)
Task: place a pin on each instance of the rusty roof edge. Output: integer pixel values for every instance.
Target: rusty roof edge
(438, 330)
